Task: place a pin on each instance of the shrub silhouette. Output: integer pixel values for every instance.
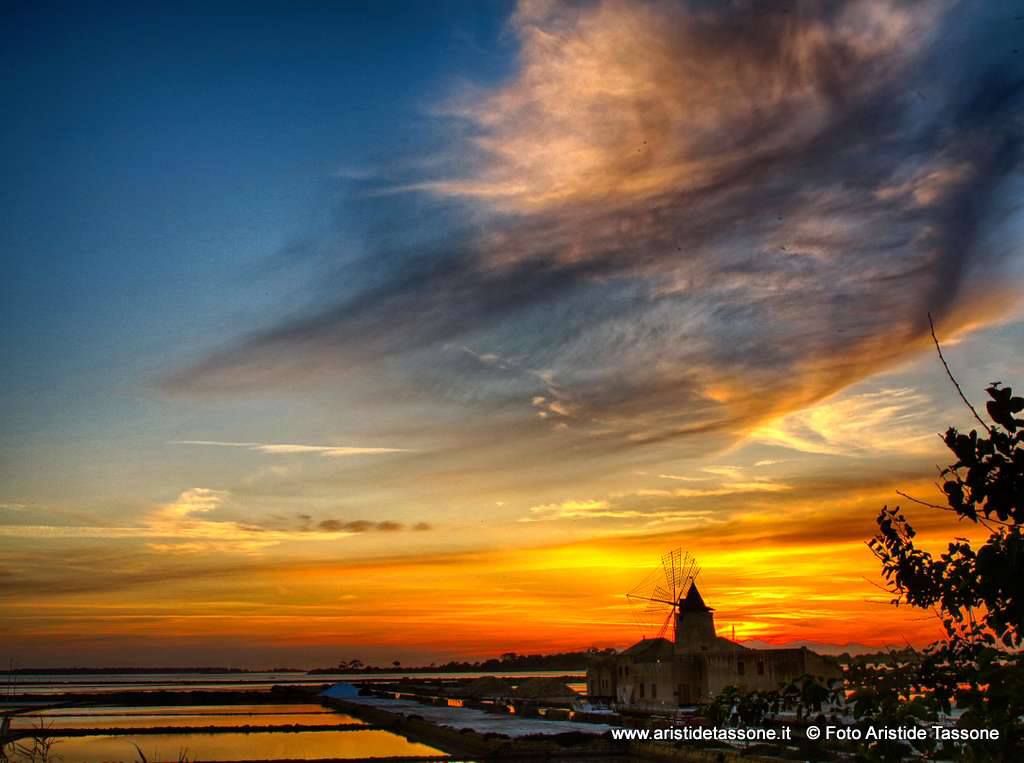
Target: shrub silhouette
(976, 588)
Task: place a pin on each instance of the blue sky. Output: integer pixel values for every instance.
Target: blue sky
(162, 165)
(318, 284)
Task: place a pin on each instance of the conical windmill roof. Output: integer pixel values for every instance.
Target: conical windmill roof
(693, 602)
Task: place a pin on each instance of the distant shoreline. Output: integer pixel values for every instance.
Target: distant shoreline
(293, 671)
(573, 662)
(140, 671)
(511, 662)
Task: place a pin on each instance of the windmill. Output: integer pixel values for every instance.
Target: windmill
(656, 598)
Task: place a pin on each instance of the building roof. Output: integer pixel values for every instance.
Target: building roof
(693, 602)
(650, 649)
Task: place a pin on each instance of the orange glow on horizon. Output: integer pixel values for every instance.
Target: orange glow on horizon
(482, 604)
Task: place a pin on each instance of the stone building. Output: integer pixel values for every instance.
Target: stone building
(658, 673)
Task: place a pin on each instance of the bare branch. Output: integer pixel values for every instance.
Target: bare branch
(979, 518)
(923, 503)
(952, 378)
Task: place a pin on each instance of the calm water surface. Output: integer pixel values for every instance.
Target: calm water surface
(16, 685)
(224, 746)
(189, 715)
(310, 745)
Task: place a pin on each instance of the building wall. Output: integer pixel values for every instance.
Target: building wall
(692, 678)
(749, 670)
(695, 631)
(601, 678)
(765, 669)
(820, 666)
(645, 684)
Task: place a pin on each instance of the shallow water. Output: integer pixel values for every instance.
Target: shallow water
(19, 684)
(310, 745)
(242, 708)
(185, 715)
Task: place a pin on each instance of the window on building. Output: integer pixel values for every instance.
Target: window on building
(760, 667)
(654, 691)
(641, 691)
(740, 668)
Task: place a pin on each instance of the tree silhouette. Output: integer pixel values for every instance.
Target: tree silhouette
(976, 589)
(980, 592)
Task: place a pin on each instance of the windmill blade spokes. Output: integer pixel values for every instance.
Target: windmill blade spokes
(637, 599)
(688, 572)
(665, 625)
(642, 623)
(649, 581)
(670, 565)
(655, 599)
(655, 608)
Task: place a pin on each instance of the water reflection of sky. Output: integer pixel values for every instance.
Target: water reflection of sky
(61, 683)
(309, 745)
(187, 716)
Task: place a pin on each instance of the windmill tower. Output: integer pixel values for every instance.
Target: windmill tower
(668, 597)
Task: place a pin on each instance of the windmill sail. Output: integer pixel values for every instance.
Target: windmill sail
(657, 597)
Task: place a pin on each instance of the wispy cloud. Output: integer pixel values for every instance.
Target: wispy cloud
(696, 217)
(602, 509)
(184, 526)
(569, 510)
(897, 420)
(665, 80)
(363, 525)
(281, 449)
(733, 488)
(646, 504)
(724, 471)
(724, 489)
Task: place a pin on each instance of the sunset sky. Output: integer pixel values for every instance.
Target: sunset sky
(421, 330)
